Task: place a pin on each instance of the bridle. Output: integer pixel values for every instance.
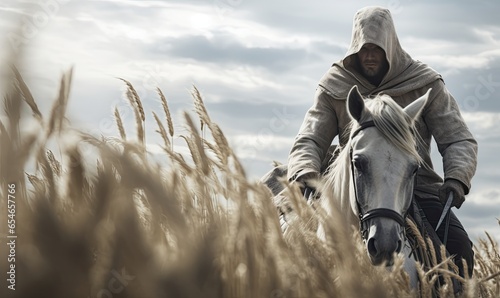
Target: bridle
(377, 212)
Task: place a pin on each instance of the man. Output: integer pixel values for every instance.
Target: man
(376, 63)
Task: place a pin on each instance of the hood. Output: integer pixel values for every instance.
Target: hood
(375, 25)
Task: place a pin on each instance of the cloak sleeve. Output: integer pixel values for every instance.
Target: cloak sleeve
(454, 140)
(317, 132)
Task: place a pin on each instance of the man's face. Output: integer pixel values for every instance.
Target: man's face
(372, 60)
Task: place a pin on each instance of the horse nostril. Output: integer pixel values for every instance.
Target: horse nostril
(372, 247)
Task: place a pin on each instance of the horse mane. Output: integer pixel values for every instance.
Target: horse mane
(393, 123)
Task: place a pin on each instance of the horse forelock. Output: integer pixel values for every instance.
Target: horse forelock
(394, 124)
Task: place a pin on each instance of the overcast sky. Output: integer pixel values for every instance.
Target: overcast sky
(257, 64)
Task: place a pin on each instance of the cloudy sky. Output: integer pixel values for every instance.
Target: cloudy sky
(256, 62)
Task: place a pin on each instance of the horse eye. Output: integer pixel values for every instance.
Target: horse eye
(359, 163)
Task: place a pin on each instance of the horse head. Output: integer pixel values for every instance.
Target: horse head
(383, 161)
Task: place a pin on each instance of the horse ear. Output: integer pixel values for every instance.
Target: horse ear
(415, 108)
(355, 103)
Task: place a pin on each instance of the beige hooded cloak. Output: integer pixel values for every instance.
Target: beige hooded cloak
(405, 81)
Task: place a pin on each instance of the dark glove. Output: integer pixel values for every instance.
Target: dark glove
(457, 188)
(306, 185)
(309, 192)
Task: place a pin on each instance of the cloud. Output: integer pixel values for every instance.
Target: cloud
(473, 61)
(478, 218)
(260, 146)
(280, 118)
(484, 121)
(222, 48)
(486, 196)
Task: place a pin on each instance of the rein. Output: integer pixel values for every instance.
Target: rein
(377, 212)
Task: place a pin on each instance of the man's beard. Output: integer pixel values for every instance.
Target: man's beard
(372, 72)
(375, 75)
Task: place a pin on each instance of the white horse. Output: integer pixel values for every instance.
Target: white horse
(371, 181)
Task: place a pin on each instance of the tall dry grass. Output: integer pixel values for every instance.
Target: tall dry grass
(195, 227)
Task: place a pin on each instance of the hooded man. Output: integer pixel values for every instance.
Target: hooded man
(376, 63)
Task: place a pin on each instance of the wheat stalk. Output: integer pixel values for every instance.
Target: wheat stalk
(199, 107)
(119, 123)
(76, 181)
(25, 91)
(162, 131)
(196, 146)
(136, 104)
(58, 111)
(54, 164)
(166, 110)
(134, 98)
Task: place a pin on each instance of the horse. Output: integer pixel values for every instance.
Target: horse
(372, 177)
(371, 181)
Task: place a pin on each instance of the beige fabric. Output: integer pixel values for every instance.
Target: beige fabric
(406, 80)
(374, 25)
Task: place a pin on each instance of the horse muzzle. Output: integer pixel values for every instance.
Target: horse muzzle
(385, 238)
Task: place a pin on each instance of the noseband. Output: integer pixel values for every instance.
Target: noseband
(377, 212)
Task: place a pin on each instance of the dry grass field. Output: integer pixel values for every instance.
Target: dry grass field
(124, 225)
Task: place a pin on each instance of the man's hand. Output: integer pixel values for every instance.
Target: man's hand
(307, 184)
(457, 188)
